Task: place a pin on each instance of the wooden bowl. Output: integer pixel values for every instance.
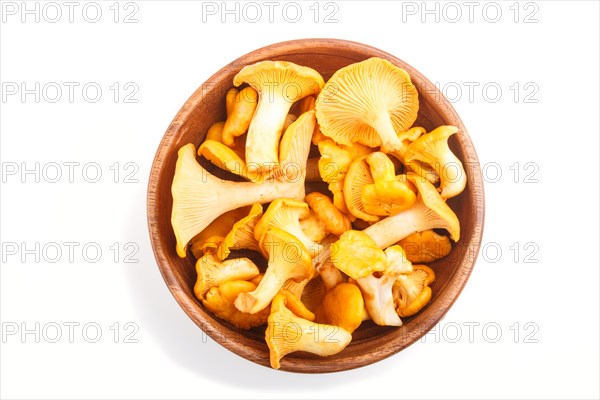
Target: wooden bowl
(370, 342)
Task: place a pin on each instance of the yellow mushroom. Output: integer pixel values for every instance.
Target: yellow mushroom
(358, 177)
(377, 288)
(199, 197)
(223, 157)
(287, 333)
(230, 97)
(286, 214)
(238, 120)
(333, 167)
(279, 84)
(335, 222)
(219, 300)
(214, 234)
(295, 305)
(432, 148)
(357, 255)
(212, 272)
(430, 211)
(313, 227)
(426, 246)
(418, 167)
(342, 306)
(294, 287)
(288, 258)
(389, 194)
(241, 235)
(313, 293)
(368, 102)
(412, 291)
(215, 132)
(299, 132)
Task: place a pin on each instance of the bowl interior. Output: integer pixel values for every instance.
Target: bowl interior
(370, 342)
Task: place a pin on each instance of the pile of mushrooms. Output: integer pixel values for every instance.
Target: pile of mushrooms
(342, 234)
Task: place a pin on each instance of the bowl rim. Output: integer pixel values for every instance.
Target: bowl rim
(402, 337)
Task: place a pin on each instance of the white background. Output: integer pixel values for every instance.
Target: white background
(533, 308)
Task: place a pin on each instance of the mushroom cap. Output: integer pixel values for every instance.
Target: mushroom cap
(335, 222)
(412, 291)
(432, 148)
(212, 272)
(432, 200)
(282, 213)
(357, 255)
(411, 135)
(397, 262)
(358, 177)
(215, 132)
(230, 100)
(223, 157)
(313, 293)
(294, 147)
(287, 255)
(295, 305)
(239, 115)
(425, 246)
(358, 94)
(213, 235)
(311, 337)
(389, 194)
(219, 301)
(313, 227)
(294, 81)
(388, 197)
(342, 306)
(241, 235)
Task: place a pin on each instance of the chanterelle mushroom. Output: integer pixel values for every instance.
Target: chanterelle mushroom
(199, 197)
(430, 211)
(389, 194)
(240, 115)
(279, 84)
(287, 333)
(432, 148)
(241, 235)
(368, 102)
(288, 258)
(411, 291)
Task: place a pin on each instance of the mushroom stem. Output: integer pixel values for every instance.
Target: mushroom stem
(392, 229)
(199, 197)
(260, 298)
(389, 140)
(265, 130)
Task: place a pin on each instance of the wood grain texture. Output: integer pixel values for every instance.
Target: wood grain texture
(370, 343)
